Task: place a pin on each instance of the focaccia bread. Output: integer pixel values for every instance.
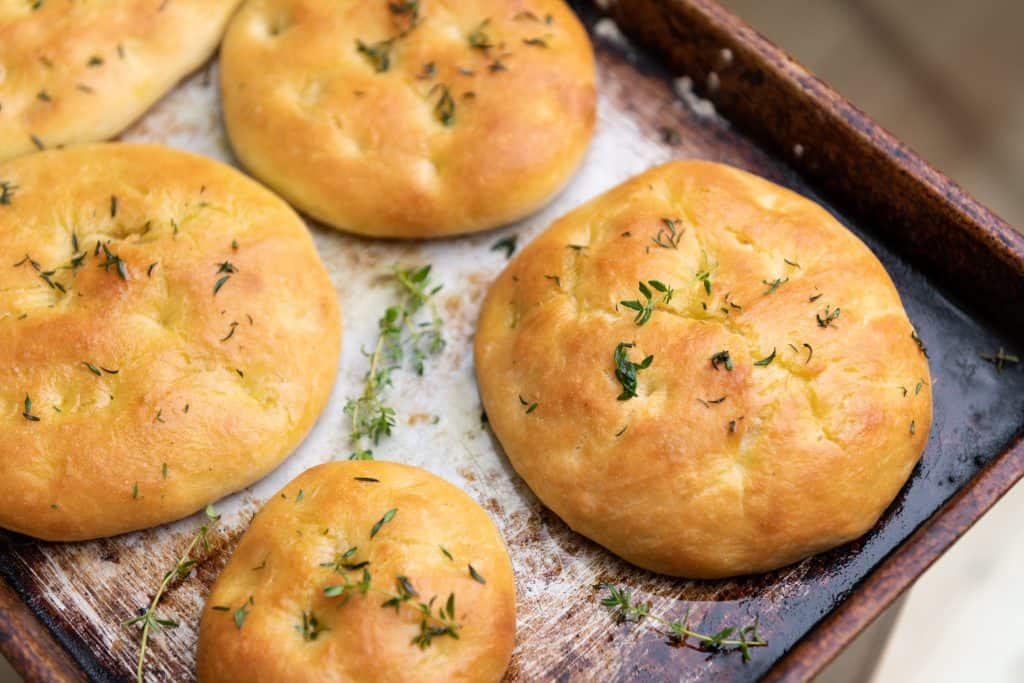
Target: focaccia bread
(409, 119)
(705, 373)
(360, 572)
(75, 71)
(167, 336)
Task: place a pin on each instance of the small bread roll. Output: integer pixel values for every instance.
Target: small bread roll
(409, 119)
(705, 373)
(168, 335)
(81, 71)
(363, 571)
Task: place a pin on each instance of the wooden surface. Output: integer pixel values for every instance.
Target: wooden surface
(923, 229)
(29, 647)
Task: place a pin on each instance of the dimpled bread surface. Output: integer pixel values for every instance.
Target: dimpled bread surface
(715, 468)
(452, 117)
(82, 71)
(167, 336)
(351, 522)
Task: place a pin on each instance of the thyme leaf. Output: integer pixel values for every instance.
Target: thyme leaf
(626, 370)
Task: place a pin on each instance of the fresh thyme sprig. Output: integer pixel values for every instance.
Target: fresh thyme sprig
(669, 235)
(148, 619)
(1001, 359)
(433, 623)
(620, 603)
(400, 335)
(644, 309)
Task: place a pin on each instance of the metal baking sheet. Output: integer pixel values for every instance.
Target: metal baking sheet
(84, 591)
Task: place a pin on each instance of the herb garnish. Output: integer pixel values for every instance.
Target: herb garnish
(1001, 359)
(371, 418)
(622, 607)
(669, 235)
(766, 360)
(7, 189)
(148, 618)
(27, 412)
(535, 42)
(311, 628)
(242, 612)
(224, 267)
(810, 352)
(919, 342)
(530, 406)
(704, 276)
(388, 516)
(508, 243)
(444, 110)
(478, 37)
(670, 136)
(443, 621)
(476, 575)
(113, 206)
(112, 260)
(774, 284)
(721, 358)
(645, 309)
(378, 54)
(831, 314)
(410, 7)
(626, 370)
(231, 331)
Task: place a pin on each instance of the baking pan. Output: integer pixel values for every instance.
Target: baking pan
(959, 269)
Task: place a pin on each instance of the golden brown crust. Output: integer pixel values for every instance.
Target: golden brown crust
(211, 390)
(801, 454)
(435, 533)
(365, 151)
(75, 72)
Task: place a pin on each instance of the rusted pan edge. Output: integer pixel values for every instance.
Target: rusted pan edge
(29, 647)
(901, 568)
(852, 160)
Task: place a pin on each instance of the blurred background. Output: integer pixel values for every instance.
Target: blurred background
(947, 77)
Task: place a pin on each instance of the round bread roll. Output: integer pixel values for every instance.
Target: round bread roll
(167, 336)
(705, 373)
(84, 71)
(409, 119)
(363, 571)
